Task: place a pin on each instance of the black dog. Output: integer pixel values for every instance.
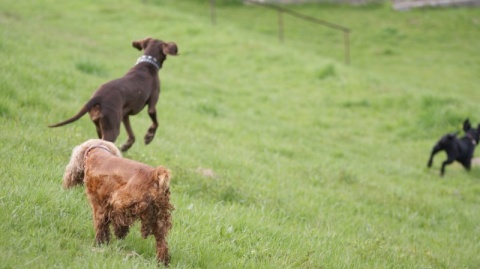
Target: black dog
(459, 149)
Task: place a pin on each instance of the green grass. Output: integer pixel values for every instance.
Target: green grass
(316, 164)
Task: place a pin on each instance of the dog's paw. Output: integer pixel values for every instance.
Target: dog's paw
(149, 138)
(125, 147)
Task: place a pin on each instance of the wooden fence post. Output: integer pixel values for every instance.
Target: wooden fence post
(280, 26)
(346, 35)
(213, 14)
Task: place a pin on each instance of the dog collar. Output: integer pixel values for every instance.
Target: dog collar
(474, 142)
(148, 59)
(94, 147)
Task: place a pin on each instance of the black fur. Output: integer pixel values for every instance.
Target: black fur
(457, 149)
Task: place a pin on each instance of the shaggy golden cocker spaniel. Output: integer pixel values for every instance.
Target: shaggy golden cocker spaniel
(121, 191)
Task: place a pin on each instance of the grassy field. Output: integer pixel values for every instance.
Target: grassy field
(282, 155)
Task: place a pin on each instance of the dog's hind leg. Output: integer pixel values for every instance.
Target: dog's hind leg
(160, 229)
(109, 132)
(96, 115)
(131, 136)
(467, 164)
(99, 130)
(160, 232)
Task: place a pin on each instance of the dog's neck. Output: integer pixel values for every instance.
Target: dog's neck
(94, 147)
(149, 59)
(474, 142)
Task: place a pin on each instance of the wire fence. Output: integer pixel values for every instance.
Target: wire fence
(281, 11)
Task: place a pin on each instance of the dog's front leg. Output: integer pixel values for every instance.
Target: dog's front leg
(467, 164)
(151, 131)
(447, 161)
(131, 136)
(160, 230)
(162, 249)
(152, 112)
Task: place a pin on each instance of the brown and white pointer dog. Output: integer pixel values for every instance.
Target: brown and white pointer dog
(117, 100)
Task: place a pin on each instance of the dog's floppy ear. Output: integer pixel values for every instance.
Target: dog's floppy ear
(466, 125)
(170, 48)
(141, 44)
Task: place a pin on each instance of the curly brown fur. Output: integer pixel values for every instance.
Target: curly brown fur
(121, 191)
(74, 171)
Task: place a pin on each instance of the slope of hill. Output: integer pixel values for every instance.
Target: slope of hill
(282, 155)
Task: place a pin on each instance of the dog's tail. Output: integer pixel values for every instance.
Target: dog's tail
(163, 176)
(162, 196)
(162, 201)
(95, 100)
(75, 170)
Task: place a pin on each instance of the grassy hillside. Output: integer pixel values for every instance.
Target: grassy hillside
(315, 164)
